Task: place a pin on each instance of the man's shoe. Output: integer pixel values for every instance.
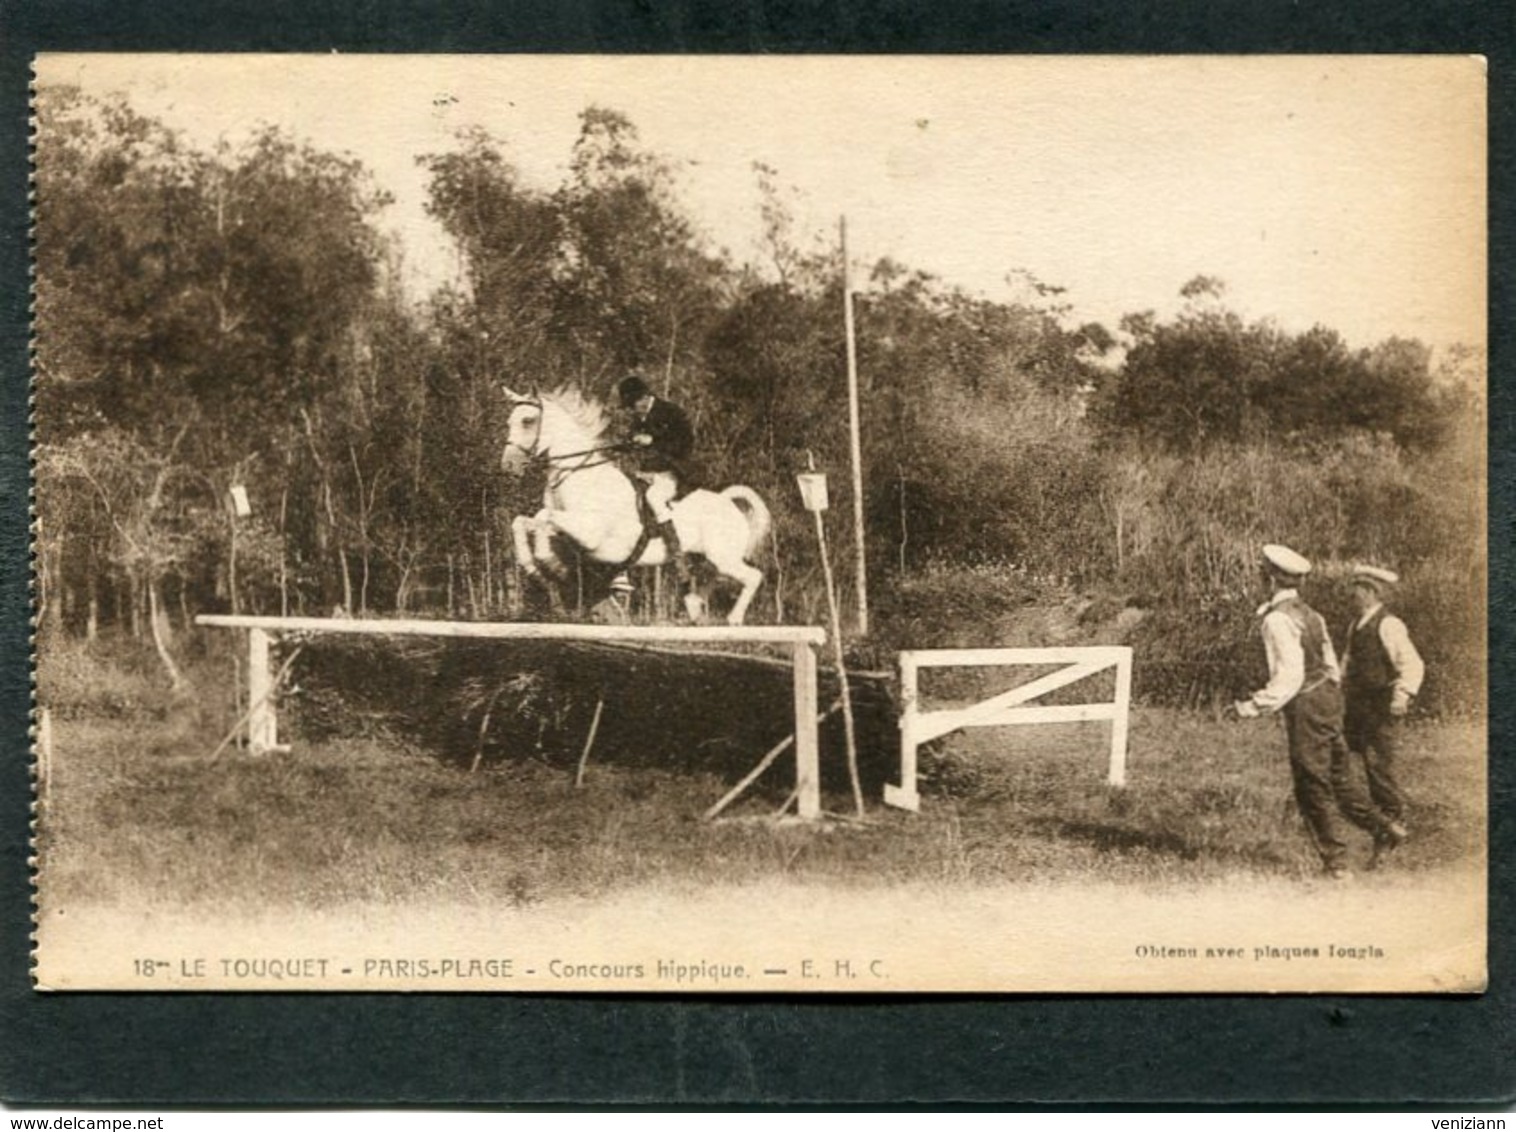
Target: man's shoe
(1337, 872)
(1387, 840)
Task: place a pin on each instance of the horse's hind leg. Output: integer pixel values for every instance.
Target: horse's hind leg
(751, 578)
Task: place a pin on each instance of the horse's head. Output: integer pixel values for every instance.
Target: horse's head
(523, 434)
(549, 426)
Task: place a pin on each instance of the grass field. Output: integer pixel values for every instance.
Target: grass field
(136, 810)
(374, 836)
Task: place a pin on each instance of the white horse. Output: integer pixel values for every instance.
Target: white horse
(593, 503)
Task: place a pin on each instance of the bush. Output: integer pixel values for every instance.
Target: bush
(1195, 530)
(1011, 477)
(108, 678)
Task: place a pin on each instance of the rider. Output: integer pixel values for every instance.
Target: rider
(661, 439)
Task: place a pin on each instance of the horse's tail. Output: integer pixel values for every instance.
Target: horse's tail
(756, 512)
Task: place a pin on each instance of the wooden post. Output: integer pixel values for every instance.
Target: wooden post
(905, 796)
(262, 729)
(764, 763)
(284, 569)
(1119, 720)
(847, 699)
(854, 440)
(807, 757)
(589, 742)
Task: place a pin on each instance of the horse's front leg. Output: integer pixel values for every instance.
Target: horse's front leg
(521, 540)
(543, 531)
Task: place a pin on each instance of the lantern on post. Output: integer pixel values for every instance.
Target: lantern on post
(240, 505)
(813, 491)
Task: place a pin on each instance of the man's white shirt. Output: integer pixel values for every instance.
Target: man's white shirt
(1282, 645)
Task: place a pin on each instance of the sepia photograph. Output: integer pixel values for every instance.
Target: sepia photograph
(766, 524)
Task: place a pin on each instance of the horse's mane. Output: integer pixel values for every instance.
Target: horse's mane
(587, 412)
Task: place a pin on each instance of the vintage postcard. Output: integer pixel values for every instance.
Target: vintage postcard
(760, 525)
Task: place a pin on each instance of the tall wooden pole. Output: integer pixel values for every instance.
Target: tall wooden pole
(846, 695)
(854, 439)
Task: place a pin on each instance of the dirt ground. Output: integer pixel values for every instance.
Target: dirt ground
(1375, 935)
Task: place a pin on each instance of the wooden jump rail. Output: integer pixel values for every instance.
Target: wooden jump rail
(918, 726)
(802, 640)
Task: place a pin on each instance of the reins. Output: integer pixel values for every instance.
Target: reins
(558, 475)
(551, 457)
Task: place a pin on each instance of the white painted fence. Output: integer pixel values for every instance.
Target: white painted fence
(1008, 708)
(262, 725)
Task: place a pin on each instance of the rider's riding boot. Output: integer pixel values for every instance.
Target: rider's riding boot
(673, 550)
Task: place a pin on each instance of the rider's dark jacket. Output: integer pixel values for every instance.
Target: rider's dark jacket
(673, 439)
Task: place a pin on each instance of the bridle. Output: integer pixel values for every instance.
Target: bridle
(532, 453)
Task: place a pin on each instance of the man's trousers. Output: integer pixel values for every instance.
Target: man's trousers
(1327, 791)
(1374, 734)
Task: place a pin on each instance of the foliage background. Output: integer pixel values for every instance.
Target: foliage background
(206, 319)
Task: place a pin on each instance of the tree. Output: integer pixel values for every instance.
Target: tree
(638, 286)
(141, 497)
(194, 306)
(1310, 387)
(1398, 393)
(1206, 377)
(1191, 382)
(114, 284)
(511, 241)
(172, 282)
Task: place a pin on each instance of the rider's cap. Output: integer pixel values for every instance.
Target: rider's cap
(631, 389)
(1286, 561)
(1376, 576)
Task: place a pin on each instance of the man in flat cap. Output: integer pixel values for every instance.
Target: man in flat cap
(1382, 671)
(1304, 686)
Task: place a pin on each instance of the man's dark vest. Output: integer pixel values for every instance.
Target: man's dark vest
(1368, 663)
(1312, 638)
